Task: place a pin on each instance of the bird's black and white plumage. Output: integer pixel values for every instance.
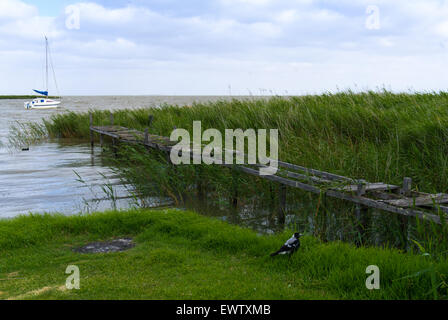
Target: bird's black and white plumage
(290, 246)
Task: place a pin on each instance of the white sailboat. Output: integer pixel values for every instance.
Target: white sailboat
(44, 102)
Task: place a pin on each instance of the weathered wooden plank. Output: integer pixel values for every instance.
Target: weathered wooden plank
(369, 187)
(109, 128)
(314, 172)
(305, 177)
(130, 137)
(436, 208)
(420, 201)
(288, 182)
(294, 175)
(100, 130)
(128, 133)
(378, 204)
(379, 195)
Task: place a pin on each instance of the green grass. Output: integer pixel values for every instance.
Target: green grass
(182, 255)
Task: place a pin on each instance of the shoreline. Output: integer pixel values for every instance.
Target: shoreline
(18, 97)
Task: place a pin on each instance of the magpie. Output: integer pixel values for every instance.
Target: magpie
(290, 246)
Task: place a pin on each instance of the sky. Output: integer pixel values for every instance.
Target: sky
(224, 47)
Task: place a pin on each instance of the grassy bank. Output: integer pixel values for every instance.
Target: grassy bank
(16, 97)
(182, 255)
(20, 97)
(376, 136)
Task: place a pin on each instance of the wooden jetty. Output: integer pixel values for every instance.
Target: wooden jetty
(396, 199)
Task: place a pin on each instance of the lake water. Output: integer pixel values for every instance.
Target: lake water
(45, 178)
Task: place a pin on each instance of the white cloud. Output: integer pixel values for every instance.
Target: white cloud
(22, 21)
(442, 29)
(98, 14)
(295, 45)
(246, 2)
(385, 42)
(14, 9)
(34, 27)
(286, 16)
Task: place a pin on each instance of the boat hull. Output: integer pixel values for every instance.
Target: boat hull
(42, 104)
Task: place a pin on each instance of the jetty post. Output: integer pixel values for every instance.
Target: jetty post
(405, 227)
(114, 142)
(361, 212)
(281, 214)
(91, 132)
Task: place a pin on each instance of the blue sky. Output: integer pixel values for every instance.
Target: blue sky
(221, 47)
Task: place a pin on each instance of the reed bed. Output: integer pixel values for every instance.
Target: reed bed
(376, 136)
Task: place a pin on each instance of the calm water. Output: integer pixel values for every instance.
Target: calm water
(43, 179)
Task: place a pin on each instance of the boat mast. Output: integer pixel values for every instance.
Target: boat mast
(46, 63)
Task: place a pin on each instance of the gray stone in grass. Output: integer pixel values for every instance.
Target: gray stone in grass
(107, 246)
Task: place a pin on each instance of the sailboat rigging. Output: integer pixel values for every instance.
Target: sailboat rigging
(44, 102)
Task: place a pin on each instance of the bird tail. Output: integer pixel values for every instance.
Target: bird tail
(275, 253)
